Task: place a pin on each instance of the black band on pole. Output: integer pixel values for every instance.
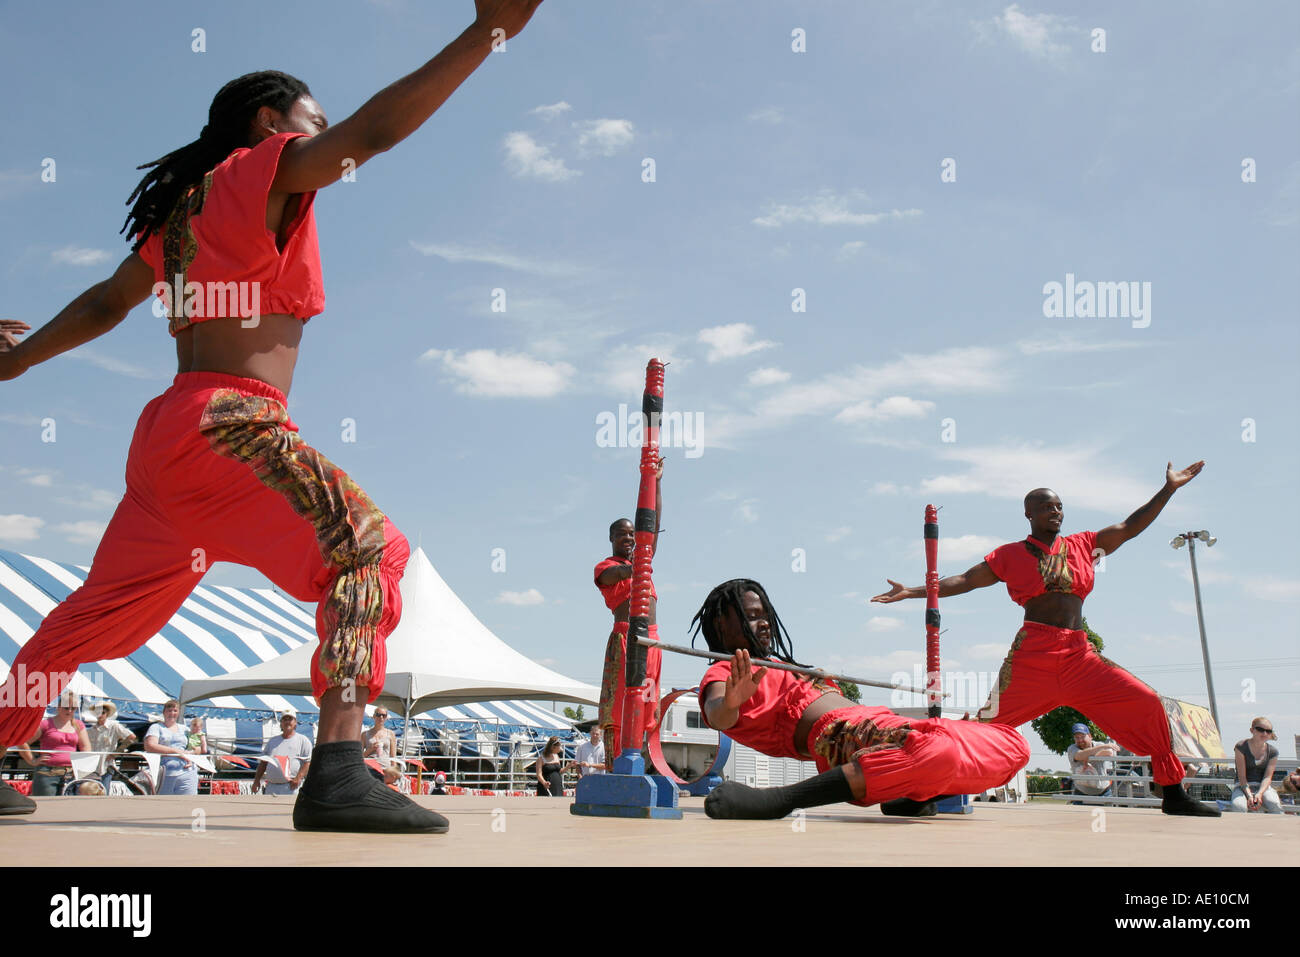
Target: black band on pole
(645, 520)
(638, 631)
(652, 405)
(932, 617)
(931, 530)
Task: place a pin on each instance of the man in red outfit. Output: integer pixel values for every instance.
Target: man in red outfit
(1051, 662)
(225, 233)
(866, 755)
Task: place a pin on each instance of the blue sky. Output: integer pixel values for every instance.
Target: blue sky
(923, 367)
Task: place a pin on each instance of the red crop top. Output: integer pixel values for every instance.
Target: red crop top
(621, 590)
(768, 720)
(1030, 568)
(228, 261)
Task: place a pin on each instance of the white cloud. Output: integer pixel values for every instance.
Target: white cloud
(20, 528)
(828, 209)
(850, 249)
(895, 407)
(878, 667)
(768, 376)
(530, 597)
(80, 256)
(551, 110)
(625, 364)
(528, 159)
(486, 373)
(110, 364)
(964, 548)
(462, 253)
(732, 341)
(604, 137)
(835, 534)
(1273, 589)
(771, 115)
(991, 651)
(884, 623)
(885, 488)
(1063, 344)
(83, 533)
(746, 512)
(1038, 34)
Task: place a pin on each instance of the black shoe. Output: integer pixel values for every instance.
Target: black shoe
(380, 811)
(906, 807)
(11, 802)
(1175, 801)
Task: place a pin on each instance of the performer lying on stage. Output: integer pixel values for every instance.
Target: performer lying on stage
(217, 471)
(1051, 662)
(614, 580)
(867, 755)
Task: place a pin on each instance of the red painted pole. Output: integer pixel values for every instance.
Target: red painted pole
(634, 703)
(933, 679)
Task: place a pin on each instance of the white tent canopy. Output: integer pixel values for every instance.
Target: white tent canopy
(439, 655)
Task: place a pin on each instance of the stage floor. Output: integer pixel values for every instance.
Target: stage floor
(257, 831)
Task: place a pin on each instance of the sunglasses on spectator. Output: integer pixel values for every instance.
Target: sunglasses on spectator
(1264, 730)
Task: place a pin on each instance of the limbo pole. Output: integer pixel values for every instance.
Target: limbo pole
(933, 679)
(782, 666)
(638, 629)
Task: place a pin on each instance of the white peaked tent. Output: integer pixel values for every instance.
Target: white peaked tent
(439, 655)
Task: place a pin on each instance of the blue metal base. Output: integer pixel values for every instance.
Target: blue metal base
(956, 804)
(626, 794)
(702, 786)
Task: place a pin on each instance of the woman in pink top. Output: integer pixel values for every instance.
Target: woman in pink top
(56, 739)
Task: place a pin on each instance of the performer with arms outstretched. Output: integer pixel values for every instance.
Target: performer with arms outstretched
(867, 755)
(228, 223)
(1051, 662)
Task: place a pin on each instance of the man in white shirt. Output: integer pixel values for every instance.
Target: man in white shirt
(1084, 757)
(591, 754)
(287, 744)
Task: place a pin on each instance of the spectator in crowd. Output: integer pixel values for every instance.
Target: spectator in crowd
(379, 742)
(550, 769)
(591, 754)
(1256, 762)
(196, 741)
(439, 783)
(108, 736)
(179, 774)
(1084, 755)
(57, 738)
(1291, 785)
(287, 744)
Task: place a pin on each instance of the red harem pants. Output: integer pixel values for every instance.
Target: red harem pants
(1049, 667)
(917, 758)
(218, 473)
(613, 686)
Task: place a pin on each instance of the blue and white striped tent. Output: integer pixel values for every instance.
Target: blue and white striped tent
(218, 629)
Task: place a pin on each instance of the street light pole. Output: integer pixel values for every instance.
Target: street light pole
(1191, 538)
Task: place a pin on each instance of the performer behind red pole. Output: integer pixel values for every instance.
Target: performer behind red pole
(933, 680)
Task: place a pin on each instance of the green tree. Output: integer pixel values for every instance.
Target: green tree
(1054, 727)
(573, 715)
(851, 691)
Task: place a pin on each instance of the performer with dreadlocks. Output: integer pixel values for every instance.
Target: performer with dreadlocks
(1051, 662)
(867, 755)
(216, 467)
(613, 577)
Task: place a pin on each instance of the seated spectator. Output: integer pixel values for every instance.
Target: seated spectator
(379, 742)
(108, 736)
(168, 738)
(1084, 759)
(292, 746)
(1256, 761)
(57, 738)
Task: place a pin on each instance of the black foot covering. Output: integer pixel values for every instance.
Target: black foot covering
(906, 807)
(737, 802)
(730, 801)
(340, 795)
(1175, 801)
(11, 802)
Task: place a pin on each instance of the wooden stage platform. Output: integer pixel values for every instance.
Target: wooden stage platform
(485, 831)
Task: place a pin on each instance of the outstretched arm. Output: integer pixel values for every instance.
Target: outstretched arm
(1111, 538)
(659, 503)
(394, 113)
(722, 699)
(89, 316)
(981, 576)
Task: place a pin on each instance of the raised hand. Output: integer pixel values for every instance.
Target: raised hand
(508, 15)
(10, 330)
(897, 593)
(1179, 479)
(743, 681)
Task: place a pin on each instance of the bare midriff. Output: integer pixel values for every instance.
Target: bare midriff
(1056, 610)
(265, 349)
(830, 701)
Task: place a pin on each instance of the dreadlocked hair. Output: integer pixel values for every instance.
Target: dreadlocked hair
(731, 595)
(172, 177)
